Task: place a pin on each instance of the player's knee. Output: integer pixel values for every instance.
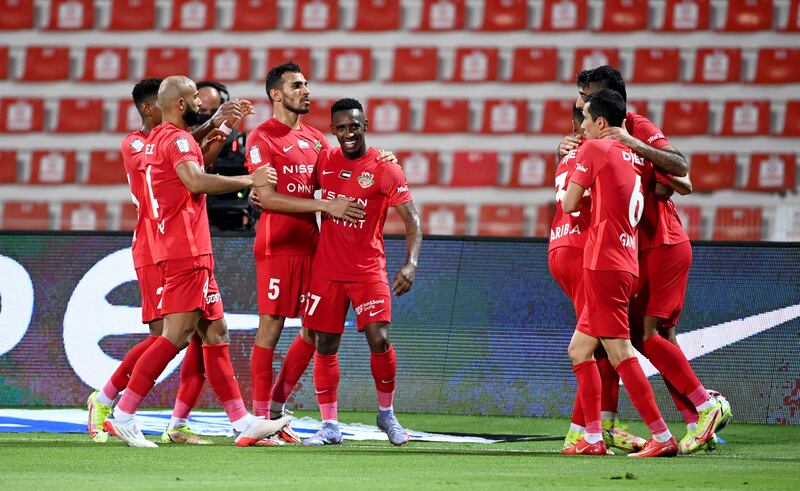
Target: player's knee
(156, 327)
(578, 354)
(327, 344)
(308, 335)
(377, 337)
(217, 332)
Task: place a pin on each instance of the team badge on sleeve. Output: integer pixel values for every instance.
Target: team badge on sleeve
(366, 179)
(183, 145)
(137, 145)
(255, 154)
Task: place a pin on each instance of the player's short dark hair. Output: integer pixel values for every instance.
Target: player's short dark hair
(225, 96)
(608, 104)
(275, 75)
(145, 89)
(346, 104)
(605, 76)
(577, 114)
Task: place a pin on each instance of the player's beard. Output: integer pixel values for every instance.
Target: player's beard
(297, 109)
(192, 117)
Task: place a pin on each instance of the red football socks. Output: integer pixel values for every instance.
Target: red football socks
(326, 385)
(384, 371)
(673, 365)
(641, 394)
(589, 393)
(150, 365)
(577, 413)
(683, 404)
(610, 380)
(294, 365)
(261, 377)
(193, 378)
(223, 380)
(122, 375)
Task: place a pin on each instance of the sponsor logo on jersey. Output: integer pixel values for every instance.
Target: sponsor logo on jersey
(366, 179)
(317, 145)
(213, 298)
(345, 174)
(302, 143)
(183, 144)
(655, 137)
(286, 149)
(137, 145)
(402, 189)
(255, 154)
(369, 305)
(629, 156)
(581, 168)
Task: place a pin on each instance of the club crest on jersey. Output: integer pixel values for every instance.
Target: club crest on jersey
(302, 143)
(255, 154)
(345, 174)
(137, 145)
(366, 180)
(183, 145)
(317, 145)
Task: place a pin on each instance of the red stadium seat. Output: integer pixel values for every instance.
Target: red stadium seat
(3, 62)
(444, 219)
(746, 118)
(17, 14)
(8, 166)
(394, 224)
(300, 56)
(501, 220)
(21, 115)
(421, 167)
(685, 118)
(316, 15)
(128, 118)
(71, 15)
(532, 170)
(161, 62)
(474, 168)
(349, 65)
(446, 116)
(564, 15)
(128, 215)
(737, 223)
(778, 66)
(505, 116)
(717, 65)
(791, 122)
(377, 15)
(46, 63)
(415, 64)
(687, 15)
(319, 116)
(624, 15)
(254, 15)
(476, 64)
(23, 215)
(442, 15)
(656, 65)
(228, 64)
(534, 64)
(80, 116)
(587, 58)
(772, 172)
(639, 106)
(132, 15)
(83, 216)
(692, 220)
(52, 167)
(557, 117)
(389, 115)
(504, 15)
(105, 64)
(192, 15)
(544, 220)
(105, 168)
(748, 15)
(793, 22)
(712, 172)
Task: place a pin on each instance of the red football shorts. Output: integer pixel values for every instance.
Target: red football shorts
(282, 282)
(663, 275)
(150, 286)
(566, 266)
(327, 302)
(189, 285)
(608, 294)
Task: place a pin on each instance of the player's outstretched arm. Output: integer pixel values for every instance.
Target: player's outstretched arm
(405, 276)
(343, 208)
(198, 182)
(572, 198)
(666, 159)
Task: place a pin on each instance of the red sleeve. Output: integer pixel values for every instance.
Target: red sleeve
(588, 163)
(259, 153)
(645, 130)
(394, 185)
(182, 148)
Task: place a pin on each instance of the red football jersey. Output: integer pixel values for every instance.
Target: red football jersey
(614, 174)
(180, 216)
(132, 149)
(569, 229)
(661, 224)
(354, 251)
(293, 154)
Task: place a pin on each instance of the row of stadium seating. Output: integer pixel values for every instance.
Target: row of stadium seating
(387, 15)
(511, 220)
(761, 172)
(432, 116)
(405, 64)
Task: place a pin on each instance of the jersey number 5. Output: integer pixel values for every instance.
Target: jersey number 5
(561, 190)
(636, 206)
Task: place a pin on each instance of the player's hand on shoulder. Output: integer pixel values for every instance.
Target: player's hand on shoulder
(568, 143)
(619, 133)
(404, 279)
(265, 176)
(387, 156)
(346, 209)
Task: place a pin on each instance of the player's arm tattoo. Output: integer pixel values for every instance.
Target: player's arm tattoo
(666, 159)
(198, 182)
(405, 276)
(681, 185)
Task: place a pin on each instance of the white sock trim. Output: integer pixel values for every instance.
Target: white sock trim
(577, 428)
(662, 437)
(103, 398)
(242, 423)
(592, 438)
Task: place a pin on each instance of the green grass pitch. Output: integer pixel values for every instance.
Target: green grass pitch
(755, 457)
